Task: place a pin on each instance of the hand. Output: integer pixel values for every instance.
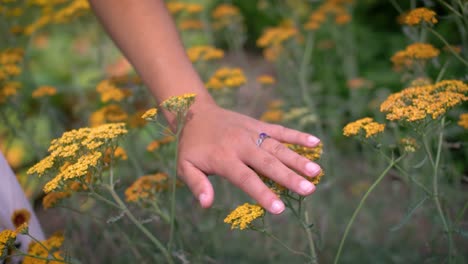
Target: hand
(221, 142)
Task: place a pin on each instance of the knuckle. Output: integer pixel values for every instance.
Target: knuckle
(268, 161)
(244, 179)
(278, 148)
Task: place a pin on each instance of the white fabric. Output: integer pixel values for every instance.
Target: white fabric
(13, 198)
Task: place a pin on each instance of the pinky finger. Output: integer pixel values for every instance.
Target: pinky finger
(198, 183)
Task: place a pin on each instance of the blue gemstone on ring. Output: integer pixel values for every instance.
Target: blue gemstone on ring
(262, 135)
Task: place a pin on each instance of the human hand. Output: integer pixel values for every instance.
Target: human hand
(218, 141)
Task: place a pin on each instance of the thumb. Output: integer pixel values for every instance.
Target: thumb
(198, 183)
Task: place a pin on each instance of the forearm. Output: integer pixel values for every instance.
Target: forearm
(146, 34)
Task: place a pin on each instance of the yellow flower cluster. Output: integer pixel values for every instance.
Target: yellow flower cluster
(45, 252)
(51, 199)
(266, 79)
(43, 91)
(112, 113)
(409, 144)
(370, 127)
(204, 53)
(226, 15)
(226, 78)
(179, 104)
(146, 187)
(81, 150)
(417, 102)
(150, 114)
(190, 24)
(9, 68)
(110, 92)
(243, 216)
(274, 112)
(415, 51)
(180, 7)
(154, 145)
(7, 240)
(419, 15)
(225, 11)
(463, 122)
(8, 89)
(273, 38)
(55, 12)
(335, 8)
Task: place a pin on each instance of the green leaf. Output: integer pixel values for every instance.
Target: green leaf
(420, 164)
(408, 215)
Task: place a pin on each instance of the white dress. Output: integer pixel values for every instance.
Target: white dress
(13, 198)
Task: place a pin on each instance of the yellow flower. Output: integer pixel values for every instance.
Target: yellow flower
(272, 115)
(80, 150)
(266, 79)
(243, 216)
(223, 11)
(20, 217)
(150, 114)
(415, 51)
(419, 15)
(8, 90)
(112, 113)
(52, 198)
(418, 102)
(310, 153)
(204, 53)
(463, 122)
(191, 24)
(43, 91)
(370, 127)
(110, 92)
(154, 145)
(44, 250)
(146, 187)
(226, 78)
(7, 240)
(179, 104)
(409, 144)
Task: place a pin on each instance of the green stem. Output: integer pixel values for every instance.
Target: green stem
(180, 121)
(313, 253)
(361, 203)
(435, 185)
(264, 231)
(135, 221)
(145, 231)
(448, 46)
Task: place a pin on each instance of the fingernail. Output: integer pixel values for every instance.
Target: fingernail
(313, 141)
(203, 199)
(277, 207)
(306, 187)
(313, 169)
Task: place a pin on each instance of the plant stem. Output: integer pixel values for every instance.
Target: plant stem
(135, 221)
(145, 231)
(361, 203)
(180, 121)
(448, 46)
(435, 186)
(313, 254)
(264, 231)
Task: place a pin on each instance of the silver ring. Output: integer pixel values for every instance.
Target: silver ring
(261, 137)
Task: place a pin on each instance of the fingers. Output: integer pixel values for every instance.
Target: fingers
(290, 158)
(198, 183)
(248, 181)
(270, 166)
(288, 135)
